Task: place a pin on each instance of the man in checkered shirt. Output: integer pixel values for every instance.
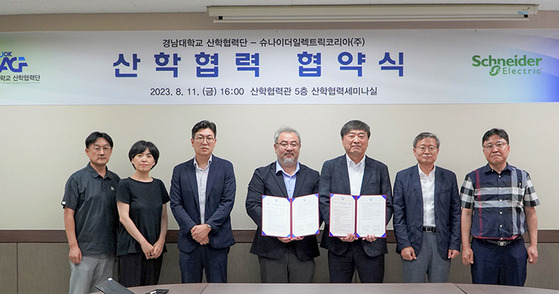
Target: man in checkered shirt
(498, 206)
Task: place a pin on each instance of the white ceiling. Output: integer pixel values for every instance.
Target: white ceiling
(11, 7)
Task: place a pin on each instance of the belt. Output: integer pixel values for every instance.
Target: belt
(500, 243)
(429, 229)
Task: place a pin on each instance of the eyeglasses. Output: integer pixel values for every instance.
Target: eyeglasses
(284, 144)
(499, 145)
(200, 139)
(423, 148)
(98, 148)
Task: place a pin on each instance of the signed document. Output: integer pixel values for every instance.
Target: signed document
(360, 215)
(290, 217)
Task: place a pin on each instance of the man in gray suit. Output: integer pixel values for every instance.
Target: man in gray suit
(283, 259)
(356, 174)
(426, 215)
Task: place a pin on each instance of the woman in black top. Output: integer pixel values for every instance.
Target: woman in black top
(142, 208)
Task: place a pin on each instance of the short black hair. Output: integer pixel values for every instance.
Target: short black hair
(93, 137)
(141, 146)
(355, 125)
(494, 131)
(205, 124)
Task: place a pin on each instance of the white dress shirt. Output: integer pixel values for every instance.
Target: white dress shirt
(356, 172)
(201, 181)
(428, 192)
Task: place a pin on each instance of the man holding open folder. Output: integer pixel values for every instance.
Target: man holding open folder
(354, 174)
(283, 259)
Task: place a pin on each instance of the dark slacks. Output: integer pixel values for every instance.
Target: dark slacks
(135, 270)
(499, 265)
(204, 259)
(342, 267)
(287, 269)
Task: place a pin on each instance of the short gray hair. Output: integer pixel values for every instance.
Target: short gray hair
(286, 129)
(424, 135)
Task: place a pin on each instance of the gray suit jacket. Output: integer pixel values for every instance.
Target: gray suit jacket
(334, 178)
(408, 210)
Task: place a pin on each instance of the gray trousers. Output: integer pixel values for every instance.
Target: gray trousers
(429, 263)
(90, 272)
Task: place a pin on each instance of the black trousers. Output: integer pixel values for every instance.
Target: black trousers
(287, 269)
(342, 267)
(135, 270)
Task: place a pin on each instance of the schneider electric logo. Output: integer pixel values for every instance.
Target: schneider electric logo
(517, 65)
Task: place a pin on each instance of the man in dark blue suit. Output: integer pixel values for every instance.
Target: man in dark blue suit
(356, 174)
(283, 260)
(426, 215)
(202, 196)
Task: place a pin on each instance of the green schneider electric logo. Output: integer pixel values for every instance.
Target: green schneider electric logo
(522, 65)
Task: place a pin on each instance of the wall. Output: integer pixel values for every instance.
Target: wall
(43, 145)
(46, 144)
(43, 268)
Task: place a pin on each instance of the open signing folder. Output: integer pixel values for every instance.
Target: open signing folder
(290, 217)
(361, 215)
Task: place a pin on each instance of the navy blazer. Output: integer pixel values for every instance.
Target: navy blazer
(220, 197)
(265, 181)
(408, 210)
(334, 178)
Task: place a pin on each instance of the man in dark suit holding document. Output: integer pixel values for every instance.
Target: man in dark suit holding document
(283, 259)
(354, 174)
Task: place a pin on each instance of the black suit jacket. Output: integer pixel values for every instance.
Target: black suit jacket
(408, 210)
(220, 197)
(334, 178)
(265, 181)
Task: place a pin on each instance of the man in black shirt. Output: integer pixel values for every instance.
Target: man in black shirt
(90, 216)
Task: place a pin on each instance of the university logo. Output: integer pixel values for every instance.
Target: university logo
(517, 65)
(12, 63)
(12, 69)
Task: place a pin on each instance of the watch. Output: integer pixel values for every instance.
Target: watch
(209, 226)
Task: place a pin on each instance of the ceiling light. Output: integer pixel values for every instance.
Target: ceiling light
(366, 13)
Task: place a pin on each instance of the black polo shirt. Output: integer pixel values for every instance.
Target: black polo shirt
(92, 198)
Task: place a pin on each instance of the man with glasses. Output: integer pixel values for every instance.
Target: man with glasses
(202, 196)
(498, 202)
(426, 215)
(90, 217)
(283, 260)
(354, 173)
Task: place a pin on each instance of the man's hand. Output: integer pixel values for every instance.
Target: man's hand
(349, 238)
(200, 232)
(370, 238)
(467, 255)
(408, 254)
(532, 254)
(453, 253)
(204, 241)
(289, 239)
(75, 255)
